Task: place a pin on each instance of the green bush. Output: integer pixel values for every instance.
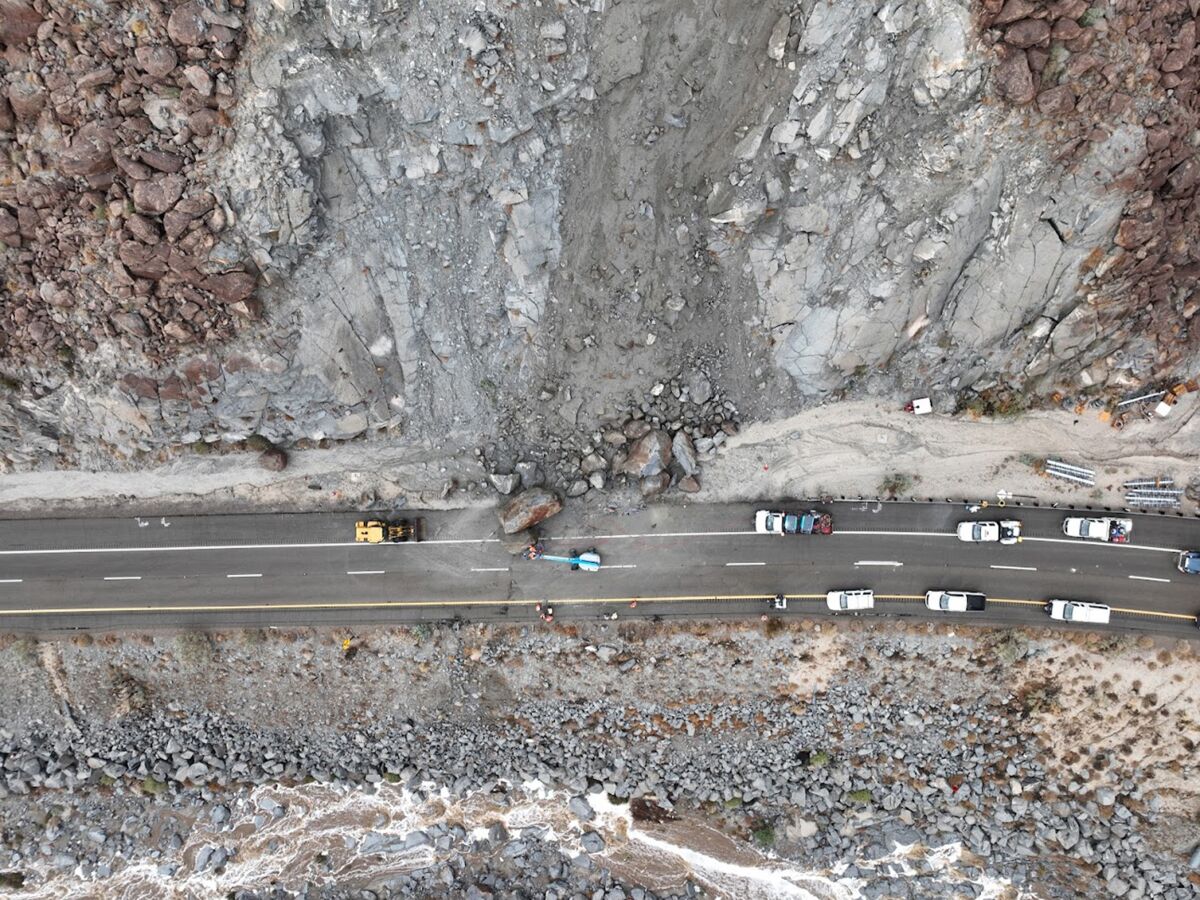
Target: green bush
(764, 836)
(152, 786)
(818, 759)
(862, 796)
(258, 443)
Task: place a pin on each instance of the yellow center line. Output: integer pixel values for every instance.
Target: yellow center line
(423, 604)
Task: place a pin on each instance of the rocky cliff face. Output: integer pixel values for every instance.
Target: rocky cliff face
(513, 222)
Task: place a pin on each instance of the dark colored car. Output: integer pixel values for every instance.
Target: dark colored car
(1189, 562)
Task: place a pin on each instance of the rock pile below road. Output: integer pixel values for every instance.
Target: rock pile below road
(925, 740)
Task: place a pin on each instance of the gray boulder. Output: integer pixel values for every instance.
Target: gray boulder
(581, 809)
(505, 484)
(592, 842)
(650, 454)
(685, 453)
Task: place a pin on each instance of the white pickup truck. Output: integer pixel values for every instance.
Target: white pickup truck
(1007, 531)
(955, 601)
(1114, 531)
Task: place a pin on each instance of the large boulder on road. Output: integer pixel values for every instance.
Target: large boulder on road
(529, 508)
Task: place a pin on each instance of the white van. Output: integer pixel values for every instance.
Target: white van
(850, 601)
(1074, 611)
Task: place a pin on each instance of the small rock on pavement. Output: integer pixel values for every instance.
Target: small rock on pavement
(578, 488)
(531, 473)
(592, 842)
(581, 809)
(505, 484)
(274, 460)
(689, 485)
(529, 508)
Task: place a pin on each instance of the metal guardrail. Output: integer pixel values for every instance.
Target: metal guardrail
(1148, 483)
(1154, 502)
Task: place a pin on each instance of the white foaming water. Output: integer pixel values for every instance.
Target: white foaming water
(319, 840)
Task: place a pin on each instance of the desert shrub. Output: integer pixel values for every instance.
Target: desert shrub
(896, 484)
(26, 650)
(194, 647)
(132, 696)
(764, 836)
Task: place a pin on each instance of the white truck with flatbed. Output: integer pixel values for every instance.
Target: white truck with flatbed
(1006, 531)
(1104, 528)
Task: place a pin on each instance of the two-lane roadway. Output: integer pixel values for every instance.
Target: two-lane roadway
(699, 560)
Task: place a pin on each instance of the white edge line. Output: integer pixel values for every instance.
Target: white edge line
(246, 575)
(878, 562)
(497, 569)
(1082, 543)
(625, 566)
(122, 577)
(196, 547)
(11, 580)
(648, 534)
(1015, 568)
(746, 564)
(898, 533)
(366, 572)
(1148, 578)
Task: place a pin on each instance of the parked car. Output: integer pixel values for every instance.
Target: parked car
(1007, 531)
(812, 522)
(850, 601)
(1115, 531)
(1077, 611)
(1189, 562)
(955, 601)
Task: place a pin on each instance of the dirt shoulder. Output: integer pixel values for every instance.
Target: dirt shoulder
(844, 449)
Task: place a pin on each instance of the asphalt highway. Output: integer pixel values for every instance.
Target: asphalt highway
(694, 561)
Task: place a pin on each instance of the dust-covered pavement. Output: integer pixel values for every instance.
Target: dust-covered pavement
(828, 760)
